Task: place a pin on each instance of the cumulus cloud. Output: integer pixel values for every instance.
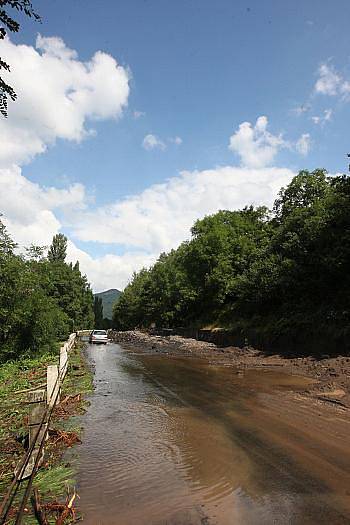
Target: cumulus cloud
(161, 216)
(303, 144)
(145, 224)
(29, 208)
(57, 95)
(153, 142)
(256, 146)
(109, 271)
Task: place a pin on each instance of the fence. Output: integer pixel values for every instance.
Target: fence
(41, 404)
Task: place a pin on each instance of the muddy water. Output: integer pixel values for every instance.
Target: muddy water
(180, 441)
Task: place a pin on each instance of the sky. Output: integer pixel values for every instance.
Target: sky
(136, 118)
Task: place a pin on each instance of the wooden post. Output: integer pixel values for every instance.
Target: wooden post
(37, 429)
(63, 362)
(53, 385)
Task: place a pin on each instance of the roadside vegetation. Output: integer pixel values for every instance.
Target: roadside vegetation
(42, 298)
(262, 273)
(55, 478)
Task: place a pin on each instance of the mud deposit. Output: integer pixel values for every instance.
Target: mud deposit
(178, 440)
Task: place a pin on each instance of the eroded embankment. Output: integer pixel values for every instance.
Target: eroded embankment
(331, 375)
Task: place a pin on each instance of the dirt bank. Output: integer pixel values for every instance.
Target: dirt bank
(331, 375)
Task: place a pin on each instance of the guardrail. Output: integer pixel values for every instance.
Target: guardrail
(42, 402)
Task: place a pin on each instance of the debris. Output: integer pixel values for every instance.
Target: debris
(39, 511)
(68, 438)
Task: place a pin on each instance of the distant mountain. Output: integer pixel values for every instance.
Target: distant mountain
(108, 297)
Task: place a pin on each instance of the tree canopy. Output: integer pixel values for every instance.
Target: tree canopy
(42, 299)
(58, 249)
(283, 271)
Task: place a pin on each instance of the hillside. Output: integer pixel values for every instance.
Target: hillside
(108, 297)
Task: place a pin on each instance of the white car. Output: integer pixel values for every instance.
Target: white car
(99, 336)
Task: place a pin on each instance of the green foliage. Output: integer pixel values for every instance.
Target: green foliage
(283, 272)
(41, 300)
(58, 249)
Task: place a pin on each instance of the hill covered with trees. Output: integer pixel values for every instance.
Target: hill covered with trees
(265, 274)
(42, 299)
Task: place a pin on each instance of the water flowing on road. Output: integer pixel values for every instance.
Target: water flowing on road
(181, 441)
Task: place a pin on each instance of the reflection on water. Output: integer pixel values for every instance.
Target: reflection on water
(178, 441)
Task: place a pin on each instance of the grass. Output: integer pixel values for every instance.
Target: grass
(56, 477)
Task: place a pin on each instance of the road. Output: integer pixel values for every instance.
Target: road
(178, 441)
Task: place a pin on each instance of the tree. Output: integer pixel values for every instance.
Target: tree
(9, 24)
(273, 275)
(58, 249)
(7, 245)
(98, 312)
(30, 320)
(302, 192)
(41, 299)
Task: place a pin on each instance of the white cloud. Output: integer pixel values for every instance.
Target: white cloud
(61, 95)
(303, 144)
(145, 224)
(160, 217)
(256, 146)
(57, 94)
(28, 208)
(153, 142)
(331, 82)
(109, 271)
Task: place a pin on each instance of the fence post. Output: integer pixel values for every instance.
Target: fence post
(63, 365)
(37, 409)
(53, 385)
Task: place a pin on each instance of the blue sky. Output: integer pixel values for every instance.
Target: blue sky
(196, 70)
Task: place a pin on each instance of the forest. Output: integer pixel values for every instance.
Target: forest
(42, 298)
(264, 274)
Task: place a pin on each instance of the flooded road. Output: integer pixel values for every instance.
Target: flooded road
(180, 441)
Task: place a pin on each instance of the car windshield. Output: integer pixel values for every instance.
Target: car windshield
(100, 332)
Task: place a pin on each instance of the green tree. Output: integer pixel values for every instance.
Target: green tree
(263, 274)
(41, 299)
(30, 321)
(58, 249)
(98, 312)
